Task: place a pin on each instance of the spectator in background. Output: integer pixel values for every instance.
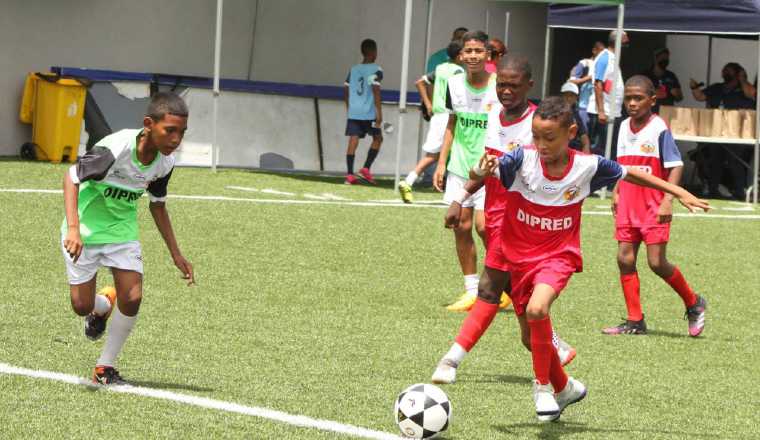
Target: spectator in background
(442, 55)
(666, 83)
(581, 140)
(601, 107)
(496, 50)
(731, 94)
(580, 75)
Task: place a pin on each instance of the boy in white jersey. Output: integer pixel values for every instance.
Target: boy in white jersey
(436, 107)
(100, 194)
(645, 214)
(546, 185)
(469, 97)
(509, 127)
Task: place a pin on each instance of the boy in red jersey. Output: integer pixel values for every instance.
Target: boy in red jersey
(644, 214)
(509, 126)
(546, 185)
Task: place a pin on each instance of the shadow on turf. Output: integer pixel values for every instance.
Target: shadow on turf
(168, 386)
(337, 179)
(665, 334)
(556, 430)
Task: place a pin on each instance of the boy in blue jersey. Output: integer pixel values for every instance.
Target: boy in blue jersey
(365, 114)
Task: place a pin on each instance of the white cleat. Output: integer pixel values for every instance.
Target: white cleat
(574, 392)
(445, 373)
(547, 408)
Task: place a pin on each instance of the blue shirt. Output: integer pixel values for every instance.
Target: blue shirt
(586, 89)
(361, 100)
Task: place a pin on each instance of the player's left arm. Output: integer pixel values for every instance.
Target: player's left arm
(157, 190)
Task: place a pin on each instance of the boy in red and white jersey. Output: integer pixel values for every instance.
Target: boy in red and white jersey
(546, 185)
(645, 214)
(509, 127)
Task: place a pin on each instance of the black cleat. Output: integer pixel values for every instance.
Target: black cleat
(107, 376)
(94, 326)
(627, 327)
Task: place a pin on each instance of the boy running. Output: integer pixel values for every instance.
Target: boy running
(365, 111)
(546, 185)
(439, 80)
(509, 126)
(645, 214)
(101, 193)
(470, 98)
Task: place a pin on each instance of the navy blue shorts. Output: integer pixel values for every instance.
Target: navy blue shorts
(358, 127)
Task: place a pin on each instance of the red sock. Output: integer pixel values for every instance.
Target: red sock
(557, 374)
(631, 286)
(478, 319)
(543, 352)
(679, 284)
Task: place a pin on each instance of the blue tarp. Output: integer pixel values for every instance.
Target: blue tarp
(732, 17)
(273, 88)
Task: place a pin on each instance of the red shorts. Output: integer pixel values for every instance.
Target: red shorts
(654, 234)
(494, 254)
(555, 272)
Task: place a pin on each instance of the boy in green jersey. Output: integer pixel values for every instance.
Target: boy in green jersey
(436, 107)
(100, 194)
(469, 97)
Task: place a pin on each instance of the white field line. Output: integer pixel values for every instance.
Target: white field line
(347, 203)
(314, 197)
(331, 196)
(277, 193)
(204, 402)
(242, 188)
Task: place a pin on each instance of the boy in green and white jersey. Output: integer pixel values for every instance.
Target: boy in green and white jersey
(469, 98)
(439, 80)
(100, 194)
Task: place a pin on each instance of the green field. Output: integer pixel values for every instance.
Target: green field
(329, 309)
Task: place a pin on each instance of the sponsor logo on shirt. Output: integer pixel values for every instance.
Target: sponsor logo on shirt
(544, 223)
(572, 192)
(643, 168)
(549, 188)
(465, 123)
(647, 148)
(121, 194)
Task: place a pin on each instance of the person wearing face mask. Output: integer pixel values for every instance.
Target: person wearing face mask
(666, 83)
(730, 95)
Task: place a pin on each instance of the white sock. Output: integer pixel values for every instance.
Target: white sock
(102, 305)
(471, 284)
(456, 353)
(411, 178)
(118, 331)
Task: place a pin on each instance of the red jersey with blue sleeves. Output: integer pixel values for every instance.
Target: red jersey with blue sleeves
(651, 149)
(542, 214)
(503, 136)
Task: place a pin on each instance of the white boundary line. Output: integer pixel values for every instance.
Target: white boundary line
(204, 402)
(346, 203)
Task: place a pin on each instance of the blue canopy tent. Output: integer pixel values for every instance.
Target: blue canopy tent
(708, 17)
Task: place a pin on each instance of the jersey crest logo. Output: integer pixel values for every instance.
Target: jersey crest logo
(572, 192)
(647, 148)
(512, 145)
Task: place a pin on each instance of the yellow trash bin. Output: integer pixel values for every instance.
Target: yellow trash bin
(57, 113)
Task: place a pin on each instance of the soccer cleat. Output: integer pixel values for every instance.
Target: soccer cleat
(464, 303)
(547, 408)
(365, 175)
(351, 179)
(696, 316)
(505, 301)
(406, 192)
(574, 392)
(627, 327)
(95, 325)
(445, 373)
(565, 352)
(104, 375)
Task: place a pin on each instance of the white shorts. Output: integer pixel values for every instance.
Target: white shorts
(126, 256)
(436, 132)
(455, 183)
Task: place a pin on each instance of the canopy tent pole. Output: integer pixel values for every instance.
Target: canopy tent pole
(757, 138)
(403, 88)
(217, 60)
(547, 48)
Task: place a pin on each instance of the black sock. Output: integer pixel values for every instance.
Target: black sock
(371, 155)
(350, 163)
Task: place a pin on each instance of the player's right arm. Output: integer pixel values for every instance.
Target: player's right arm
(697, 91)
(93, 165)
(423, 87)
(687, 199)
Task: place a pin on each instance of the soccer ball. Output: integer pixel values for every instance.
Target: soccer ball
(422, 411)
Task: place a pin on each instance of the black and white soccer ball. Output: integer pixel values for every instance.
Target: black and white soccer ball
(422, 411)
